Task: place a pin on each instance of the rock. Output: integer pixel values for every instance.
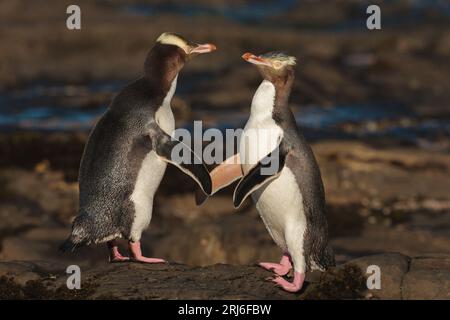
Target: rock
(376, 239)
(209, 241)
(21, 272)
(18, 248)
(58, 198)
(17, 218)
(169, 281)
(24, 271)
(422, 277)
(43, 243)
(204, 245)
(393, 267)
(183, 207)
(431, 262)
(428, 278)
(354, 171)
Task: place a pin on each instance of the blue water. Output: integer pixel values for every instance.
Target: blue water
(259, 11)
(327, 117)
(39, 107)
(252, 12)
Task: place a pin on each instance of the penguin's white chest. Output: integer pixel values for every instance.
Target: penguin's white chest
(164, 115)
(280, 205)
(279, 202)
(151, 172)
(165, 119)
(261, 133)
(147, 182)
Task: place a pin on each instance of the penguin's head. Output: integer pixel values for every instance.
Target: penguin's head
(190, 49)
(169, 54)
(273, 66)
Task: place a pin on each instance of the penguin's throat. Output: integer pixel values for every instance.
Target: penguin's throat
(264, 100)
(282, 85)
(170, 92)
(164, 116)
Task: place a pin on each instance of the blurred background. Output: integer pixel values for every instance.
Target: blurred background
(373, 104)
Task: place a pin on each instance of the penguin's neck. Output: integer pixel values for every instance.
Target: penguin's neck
(263, 101)
(270, 101)
(164, 116)
(170, 93)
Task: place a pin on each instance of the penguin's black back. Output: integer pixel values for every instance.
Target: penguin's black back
(116, 148)
(303, 164)
(110, 163)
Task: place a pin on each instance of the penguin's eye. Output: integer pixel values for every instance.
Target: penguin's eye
(277, 64)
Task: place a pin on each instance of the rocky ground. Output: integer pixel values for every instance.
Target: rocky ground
(402, 277)
(379, 200)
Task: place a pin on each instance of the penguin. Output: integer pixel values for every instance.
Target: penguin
(127, 153)
(277, 168)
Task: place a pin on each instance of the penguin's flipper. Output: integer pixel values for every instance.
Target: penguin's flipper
(264, 171)
(192, 165)
(222, 176)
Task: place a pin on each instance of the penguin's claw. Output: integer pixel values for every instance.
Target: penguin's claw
(285, 285)
(114, 254)
(117, 259)
(278, 269)
(294, 286)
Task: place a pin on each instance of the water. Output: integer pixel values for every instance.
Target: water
(44, 106)
(48, 107)
(257, 12)
(244, 13)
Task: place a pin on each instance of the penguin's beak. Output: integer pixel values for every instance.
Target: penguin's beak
(250, 57)
(202, 48)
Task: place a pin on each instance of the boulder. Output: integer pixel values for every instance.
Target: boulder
(428, 278)
(393, 267)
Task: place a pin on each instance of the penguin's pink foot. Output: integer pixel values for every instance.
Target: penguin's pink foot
(276, 268)
(114, 254)
(294, 286)
(281, 268)
(148, 260)
(118, 258)
(136, 254)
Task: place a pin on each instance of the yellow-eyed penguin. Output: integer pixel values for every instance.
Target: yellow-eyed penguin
(277, 168)
(127, 152)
